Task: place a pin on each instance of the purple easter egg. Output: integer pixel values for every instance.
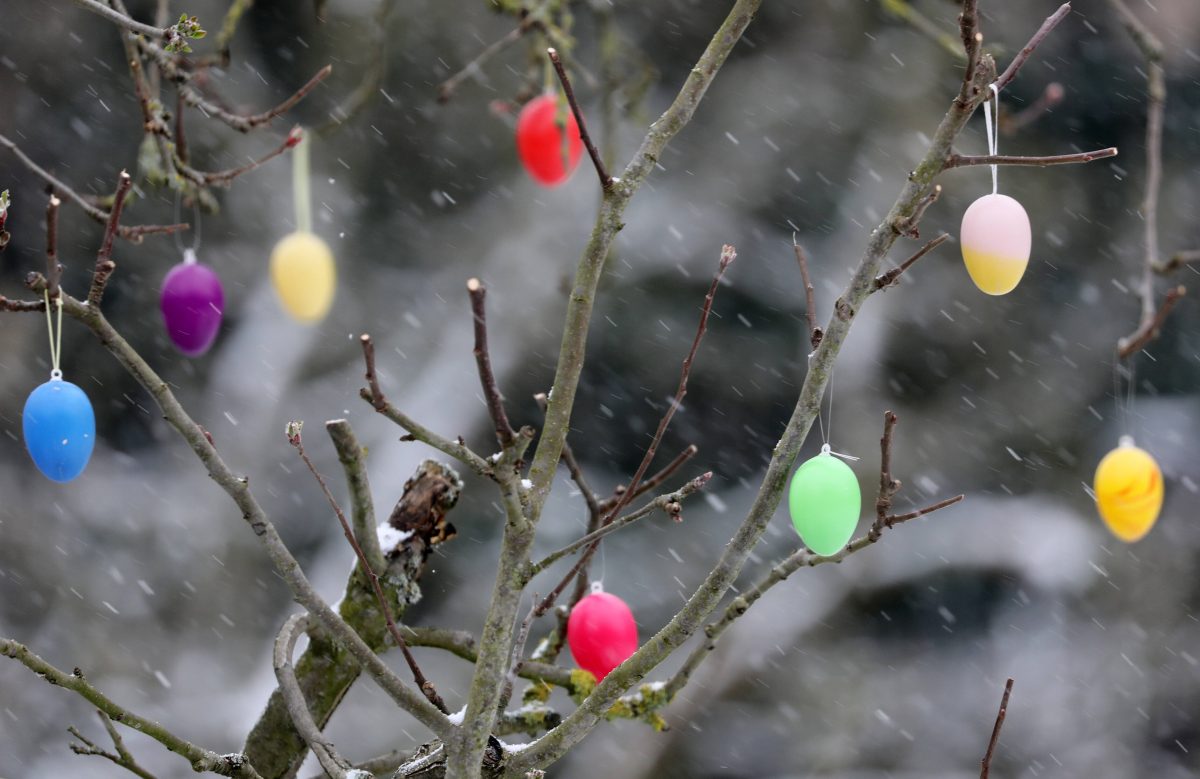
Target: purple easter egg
(192, 302)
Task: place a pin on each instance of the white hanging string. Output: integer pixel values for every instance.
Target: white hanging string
(55, 334)
(189, 253)
(993, 134)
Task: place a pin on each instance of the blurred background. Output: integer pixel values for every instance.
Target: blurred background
(142, 573)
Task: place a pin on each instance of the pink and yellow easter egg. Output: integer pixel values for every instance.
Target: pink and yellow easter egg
(996, 240)
(1129, 491)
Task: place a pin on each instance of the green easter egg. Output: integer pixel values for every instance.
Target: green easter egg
(824, 501)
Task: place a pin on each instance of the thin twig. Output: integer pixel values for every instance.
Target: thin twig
(129, 233)
(104, 263)
(885, 280)
(986, 764)
(374, 395)
(446, 89)
(372, 81)
(426, 686)
(972, 40)
(810, 300)
(1051, 96)
(1148, 330)
(1156, 86)
(909, 226)
(1051, 22)
(53, 267)
(224, 178)
(200, 758)
(243, 123)
(963, 160)
(483, 361)
(668, 503)
(605, 180)
(1178, 260)
(651, 482)
(122, 758)
(100, 9)
(728, 255)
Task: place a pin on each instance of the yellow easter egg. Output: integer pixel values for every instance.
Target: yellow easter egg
(996, 240)
(304, 276)
(1129, 491)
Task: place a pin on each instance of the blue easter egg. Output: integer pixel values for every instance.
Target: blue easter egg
(60, 429)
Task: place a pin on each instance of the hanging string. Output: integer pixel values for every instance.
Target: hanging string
(189, 252)
(993, 134)
(1124, 397)
(55, 334)
(301, 200)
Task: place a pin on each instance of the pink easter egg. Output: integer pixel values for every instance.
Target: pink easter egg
(996, 240)
(192, 303)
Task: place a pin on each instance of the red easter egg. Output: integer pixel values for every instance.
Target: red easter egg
(549, 150)
(601, 633)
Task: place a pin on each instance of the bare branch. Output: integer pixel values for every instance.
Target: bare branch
(134, 233)
(446, 88)
(104, 264)
(963, 160)
(122, 757)
(908, 225)
(100, 9)
(652, 482)
(333, 763)
(224, 178)
(1178, 260)
(1051, 22)
(483, 361)
(1148, 330)
(605, 180)
(426, 686)
(243, 123)
(972, 41)
(200, 758)
(668, 503)
(374, 395)
(885, 280)
(810, 301)
(986, 763)
(362, 507)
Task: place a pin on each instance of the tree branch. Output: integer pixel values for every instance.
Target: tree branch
(129, 233)
(243, 123)
(237, 488)
(362, 507)
(986, 764)
(120, 19)
(334, 764)
(122, 758)
(446, 89)
(1178, 260)
(423, 684)
(483, 361)
(810, 301)
(374, 395)
(1023, 55)
(963, 160)
(224, 178)
(1148, 330)
(606, 180)
(667, 503)
(104, 264)
(885, 280)
(201, 759)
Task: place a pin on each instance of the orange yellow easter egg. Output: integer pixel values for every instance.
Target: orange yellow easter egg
(996, 240)
(304, 276)
(1129, 491)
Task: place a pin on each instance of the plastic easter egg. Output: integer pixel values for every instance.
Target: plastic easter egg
(548, 140)
(60, 429)
(996, 241)
(192, 302)
(601, 633)
(304, 276)
(1129, 491)
(824, 501)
